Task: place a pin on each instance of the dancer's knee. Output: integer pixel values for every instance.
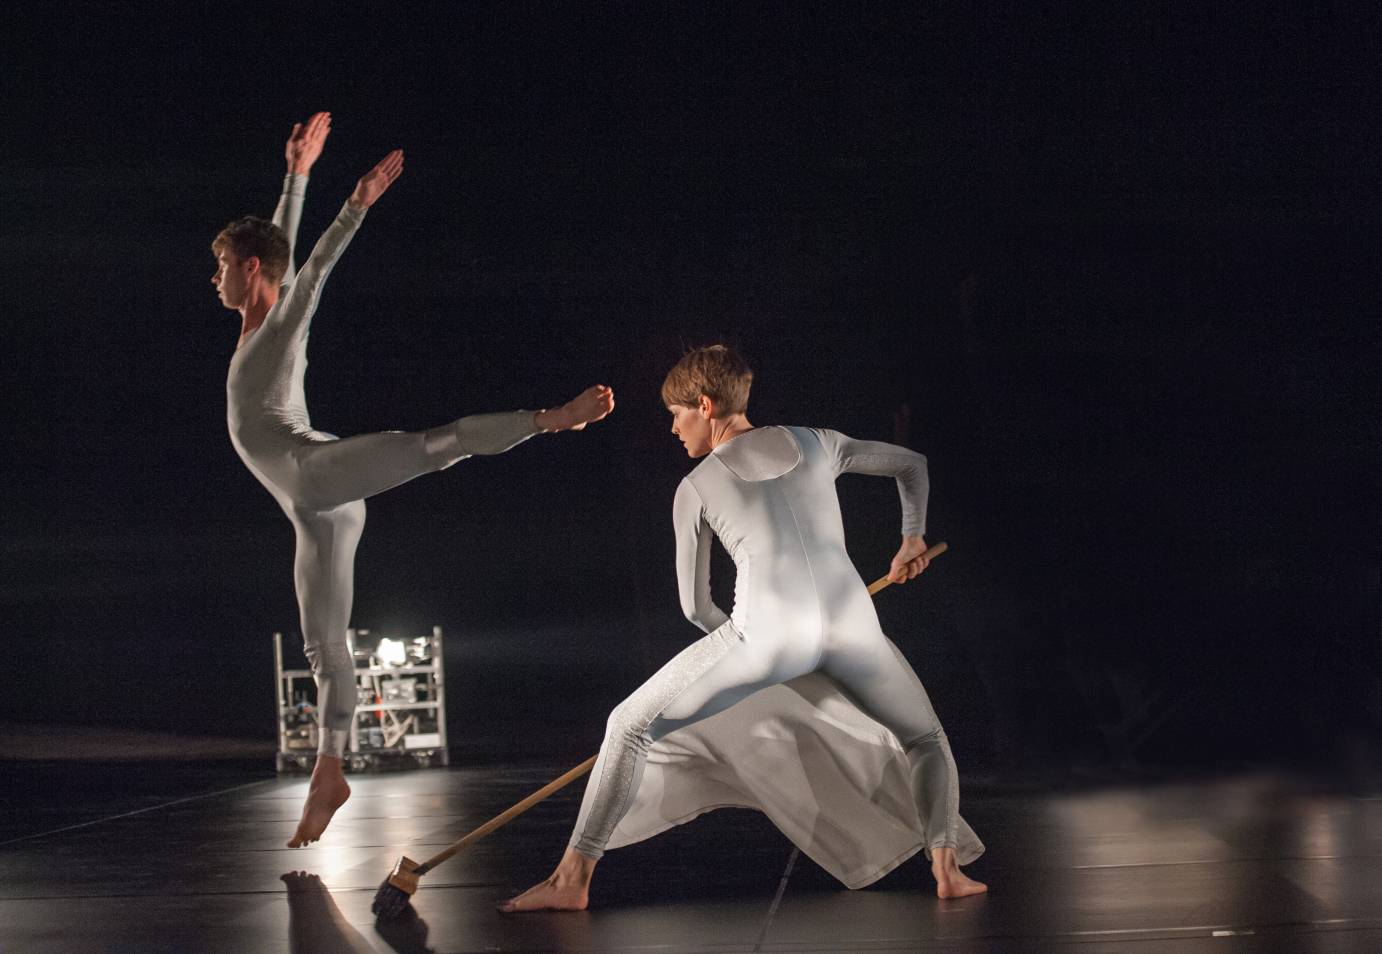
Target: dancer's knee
(929, 738)
(328, 656)
(625, 729)
(442, 447)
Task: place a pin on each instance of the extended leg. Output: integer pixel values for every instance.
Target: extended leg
(332, 472)
(707, 677)
(324, 572)
(882, 682)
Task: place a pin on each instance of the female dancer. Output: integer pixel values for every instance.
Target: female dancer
(799, 607)
(319, 480)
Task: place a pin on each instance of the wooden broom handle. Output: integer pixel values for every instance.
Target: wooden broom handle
(883, 582)
(559, 783)
(508, 815)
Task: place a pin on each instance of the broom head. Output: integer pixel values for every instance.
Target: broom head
(393, 895)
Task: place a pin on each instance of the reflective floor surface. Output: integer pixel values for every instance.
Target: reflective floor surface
(170, 857)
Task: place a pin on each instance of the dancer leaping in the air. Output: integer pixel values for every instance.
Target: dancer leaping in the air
(319, 480)
(800, 607)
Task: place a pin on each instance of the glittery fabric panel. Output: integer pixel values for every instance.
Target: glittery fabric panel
(625, 748)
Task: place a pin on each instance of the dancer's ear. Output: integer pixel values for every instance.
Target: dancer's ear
(706, 406)
(252, 265)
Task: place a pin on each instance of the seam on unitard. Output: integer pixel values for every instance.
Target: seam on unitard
(952, 789)
(815, 588)
(952, 817)
(950, 807)
(748, 595)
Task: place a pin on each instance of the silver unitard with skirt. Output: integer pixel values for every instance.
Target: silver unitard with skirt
(799, 607)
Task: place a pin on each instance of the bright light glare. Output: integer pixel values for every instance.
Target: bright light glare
(391, 652)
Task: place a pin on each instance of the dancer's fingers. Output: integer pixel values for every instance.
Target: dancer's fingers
(387, 168)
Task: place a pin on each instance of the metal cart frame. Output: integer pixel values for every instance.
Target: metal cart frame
(407, 749)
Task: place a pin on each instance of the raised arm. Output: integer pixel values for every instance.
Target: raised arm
(908, 468)
(304, 147)
(693, 560)
(296, 310)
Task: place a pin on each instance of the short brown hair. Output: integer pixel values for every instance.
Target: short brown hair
(717, 371)
(253, 236)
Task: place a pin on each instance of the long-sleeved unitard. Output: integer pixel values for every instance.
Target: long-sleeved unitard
(320, 480)
(799, 607)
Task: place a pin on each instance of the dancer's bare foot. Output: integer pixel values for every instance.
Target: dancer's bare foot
(568, 889)
(327, 792)
(951, 882)
(591, 405)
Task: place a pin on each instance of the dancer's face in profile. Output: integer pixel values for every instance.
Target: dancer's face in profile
(231, 278)
(691, 425)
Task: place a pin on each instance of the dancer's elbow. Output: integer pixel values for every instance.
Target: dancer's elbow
(691, 612)
(707, 618)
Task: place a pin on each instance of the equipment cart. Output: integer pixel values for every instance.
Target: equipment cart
(400, 716)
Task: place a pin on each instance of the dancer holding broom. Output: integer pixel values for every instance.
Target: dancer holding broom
(319, 480)
(799, 608)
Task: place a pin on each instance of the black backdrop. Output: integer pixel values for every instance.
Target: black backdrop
(1105, 269)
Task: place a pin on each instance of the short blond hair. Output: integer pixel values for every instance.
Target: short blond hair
(717, 371)
(253, 237)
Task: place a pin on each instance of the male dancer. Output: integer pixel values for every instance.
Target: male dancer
(319, 480)
(799, 607)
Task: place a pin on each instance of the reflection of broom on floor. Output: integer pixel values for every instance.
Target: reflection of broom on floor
(393, 895)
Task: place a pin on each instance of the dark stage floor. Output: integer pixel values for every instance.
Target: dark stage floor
(164, 857)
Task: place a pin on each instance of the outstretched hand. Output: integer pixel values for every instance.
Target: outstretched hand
(305, 143)
(909, 561)
(377, 181)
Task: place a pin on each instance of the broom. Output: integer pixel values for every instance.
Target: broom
(398, 888)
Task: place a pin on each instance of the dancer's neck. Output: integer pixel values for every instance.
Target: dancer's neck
(725, 429)
(255, 310)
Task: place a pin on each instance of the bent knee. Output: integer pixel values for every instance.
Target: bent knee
(325, 524)
(935, 736)
(625, 728)
(329, 657)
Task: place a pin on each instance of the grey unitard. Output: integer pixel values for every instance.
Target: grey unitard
(320, 480)
(799, 606)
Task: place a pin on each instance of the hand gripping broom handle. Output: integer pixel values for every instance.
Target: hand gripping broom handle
(883, 582)
(559, 783)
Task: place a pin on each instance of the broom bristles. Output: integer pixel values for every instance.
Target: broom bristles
(389, 902)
